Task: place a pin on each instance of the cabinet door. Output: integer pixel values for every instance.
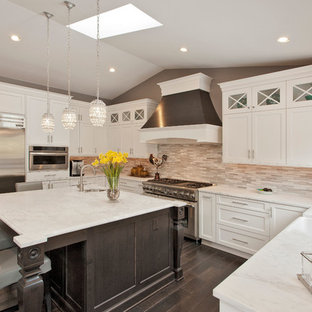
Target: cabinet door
(299, 132)
(141, 150)
(207, 217)
(269, 137)
(300, 92)
(36, 107)
(86, 139)
(60, 135)
(127, 139)
(74, 145)
(84, 114)
(283, 215)
(270, 96)
(237, 101)
(11, 103)
(237, 138)
(100, 140)
(114, 138)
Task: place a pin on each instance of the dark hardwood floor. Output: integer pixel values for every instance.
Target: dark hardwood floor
(204, 268)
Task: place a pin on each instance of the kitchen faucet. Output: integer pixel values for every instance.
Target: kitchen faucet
(81, 185)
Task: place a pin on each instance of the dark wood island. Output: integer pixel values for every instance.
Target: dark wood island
(105, 256)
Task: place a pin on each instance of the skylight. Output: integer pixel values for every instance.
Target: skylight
(122, 20)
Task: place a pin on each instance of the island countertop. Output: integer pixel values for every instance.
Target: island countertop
(38, 215)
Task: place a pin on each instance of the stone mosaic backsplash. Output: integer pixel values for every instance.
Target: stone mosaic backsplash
(203, 162)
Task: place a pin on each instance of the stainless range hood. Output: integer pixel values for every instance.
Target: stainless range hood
(185, 113)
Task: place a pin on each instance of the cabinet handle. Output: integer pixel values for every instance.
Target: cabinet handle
(239, 219)
(81, 149)
(51, 138)
(248, 154)
(95, 150)
(270, 212)
(240, 203)
(240, 241)
(253, 154)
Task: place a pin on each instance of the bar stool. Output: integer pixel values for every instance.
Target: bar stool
(9, 276)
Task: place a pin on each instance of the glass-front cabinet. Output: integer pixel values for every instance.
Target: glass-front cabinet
(268, 97)
(300, 91)
(237, 101)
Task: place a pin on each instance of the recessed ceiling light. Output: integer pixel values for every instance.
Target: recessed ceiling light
(112, 69)
(183, 49)
(283, 39)
(15, 38)
(122, 20)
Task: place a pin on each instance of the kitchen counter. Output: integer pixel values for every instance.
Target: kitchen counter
(268, 280)
(38, 215)
(278, 197)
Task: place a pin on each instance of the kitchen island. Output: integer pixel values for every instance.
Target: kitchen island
(105, 255)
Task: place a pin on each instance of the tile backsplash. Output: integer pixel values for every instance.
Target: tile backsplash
(203, 162)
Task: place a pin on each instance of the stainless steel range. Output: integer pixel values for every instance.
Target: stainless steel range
(184, 190)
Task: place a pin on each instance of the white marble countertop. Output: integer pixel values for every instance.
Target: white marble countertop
(38, 215)
(278, 197)
(268, 280)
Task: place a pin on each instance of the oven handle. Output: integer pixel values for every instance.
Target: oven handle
(48, 154)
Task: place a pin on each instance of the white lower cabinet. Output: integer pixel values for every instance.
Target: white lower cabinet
(242, 224)
(283, 215)
(239, 239)
(207, 212)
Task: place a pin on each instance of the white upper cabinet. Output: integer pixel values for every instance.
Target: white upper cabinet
(269, 137)
(299, 133)
(300, 92)
(85, 139)
(36, 106)
(269, 97)
(237, 138)
(280, 106)
(124, 122)
(237, 101)
(11, 102)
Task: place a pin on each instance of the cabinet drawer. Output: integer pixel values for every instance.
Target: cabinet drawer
(249, 220)
(241, 203)
(241, 240)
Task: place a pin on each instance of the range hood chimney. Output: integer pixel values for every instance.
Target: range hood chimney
(185, 113)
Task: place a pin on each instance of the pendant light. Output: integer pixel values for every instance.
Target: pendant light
(47, 121)
(69, 116)
(97, 110)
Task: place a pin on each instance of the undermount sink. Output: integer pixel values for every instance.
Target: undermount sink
(94, 190)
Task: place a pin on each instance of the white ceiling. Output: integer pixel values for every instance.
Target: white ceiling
(218, 33)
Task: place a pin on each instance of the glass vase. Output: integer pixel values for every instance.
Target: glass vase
(113, 191)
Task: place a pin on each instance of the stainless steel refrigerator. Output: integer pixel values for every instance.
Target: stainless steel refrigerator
(12, 151)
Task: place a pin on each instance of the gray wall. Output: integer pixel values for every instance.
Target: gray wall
(76, 96)
(150, 89)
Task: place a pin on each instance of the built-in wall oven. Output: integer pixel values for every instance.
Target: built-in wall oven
(48, 158)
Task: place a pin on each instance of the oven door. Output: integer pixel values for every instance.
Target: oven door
(48, 161)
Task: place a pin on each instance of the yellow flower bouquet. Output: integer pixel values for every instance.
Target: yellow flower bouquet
(112, 164)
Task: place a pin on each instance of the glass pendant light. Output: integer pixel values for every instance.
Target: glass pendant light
(97, 110)
(47, 121)
(69, 116)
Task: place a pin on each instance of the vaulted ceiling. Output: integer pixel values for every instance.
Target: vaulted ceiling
(217, 33)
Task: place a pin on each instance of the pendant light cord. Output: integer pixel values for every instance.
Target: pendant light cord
(48, 63)
(68, 55)
(98, 51)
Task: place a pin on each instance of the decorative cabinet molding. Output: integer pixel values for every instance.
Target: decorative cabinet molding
(267, 119)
